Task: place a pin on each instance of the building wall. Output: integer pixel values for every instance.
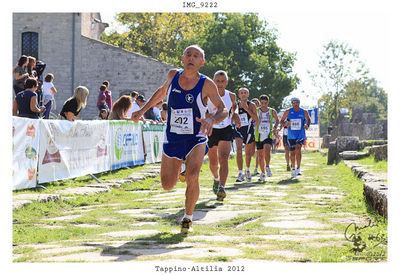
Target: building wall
(55, 44)
(75, 59)
(126, 71)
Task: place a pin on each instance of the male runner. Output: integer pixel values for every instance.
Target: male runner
(245, 134)
(296, 118)
(264, 133)
(253, 149)
(286, 146)
(220, 141)
(187, 93)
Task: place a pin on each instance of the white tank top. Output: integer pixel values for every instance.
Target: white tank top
(226, 98)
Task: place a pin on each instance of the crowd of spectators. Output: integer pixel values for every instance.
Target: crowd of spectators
(35, 97)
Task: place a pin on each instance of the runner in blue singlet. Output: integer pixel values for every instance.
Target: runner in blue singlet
(187, 129)
(296, 118)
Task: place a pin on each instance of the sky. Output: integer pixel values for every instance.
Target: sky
(306, 31)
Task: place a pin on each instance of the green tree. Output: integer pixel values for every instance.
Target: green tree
(157, 34)
(338, 65)
(242, 45)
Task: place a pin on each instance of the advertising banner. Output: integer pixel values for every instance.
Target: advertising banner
(126, 144)
(153, 136)
(25, 148)
(72, 149)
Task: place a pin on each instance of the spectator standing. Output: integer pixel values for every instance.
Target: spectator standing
(157, 111)
(74, 105)
(20, 74)
(48, 95)
(31, 67)
(134, 107)
(101, 98)
(25, 103)
(120, 108)
(108, 94)
(164, 112)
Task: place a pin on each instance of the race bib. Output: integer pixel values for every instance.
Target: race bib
(244, 121)
(295, 124)
(181, 121)
(265, 127)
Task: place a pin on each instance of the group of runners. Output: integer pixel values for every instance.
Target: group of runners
(204, 117)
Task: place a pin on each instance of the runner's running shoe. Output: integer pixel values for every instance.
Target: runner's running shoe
(240, 178)
(248, 176)
(298, 171)
(294, 173)
(255, 173)
(215, 186)
(262, 177)
(221, 194)
(288, 168)
(269, 172)
(186, 226)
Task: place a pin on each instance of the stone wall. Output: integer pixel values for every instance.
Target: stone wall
(126, 71)
(75, 59)
(55, 32)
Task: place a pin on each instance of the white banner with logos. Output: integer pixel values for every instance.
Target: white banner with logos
(126, 144)
(25, 149)
(153, 136)
(73, 149)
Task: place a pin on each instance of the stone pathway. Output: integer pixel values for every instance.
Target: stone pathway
(277, 217)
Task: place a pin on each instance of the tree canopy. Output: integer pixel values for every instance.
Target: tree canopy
(240, 44)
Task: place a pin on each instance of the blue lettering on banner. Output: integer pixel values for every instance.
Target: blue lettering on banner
(130, 140)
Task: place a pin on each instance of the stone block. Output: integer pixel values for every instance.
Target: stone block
(325, 141)
(332, 152)
(369, 118)
(357, 112)
(379, 152)
(347, 143)
(353, 155)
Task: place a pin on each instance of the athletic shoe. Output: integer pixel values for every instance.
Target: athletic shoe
(269, 172)
(288, 168)
(182, 176)
(248, 176)
(262, 177)
(294, 173)
(298, 171)
(221, 194)
(240, 178)
(256, 172)
(186, 226)
(215, 186)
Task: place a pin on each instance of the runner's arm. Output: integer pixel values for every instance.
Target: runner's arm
(235, 116)
(253, 112)
(210, 91)
(307, 116)
(284, 117)
(275, 114)
(158, 95)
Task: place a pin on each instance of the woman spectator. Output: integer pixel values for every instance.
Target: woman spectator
(120, 108)
(31, 67)
(74, 105)
(101, 99)
(20, 74)
(108, 93)
(25, 103)
(103, 114)
(164, 112)
(48, 95)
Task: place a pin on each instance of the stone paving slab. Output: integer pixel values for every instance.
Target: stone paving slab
(298, 238)
(132, 233)
(203, 217)
(296, 224)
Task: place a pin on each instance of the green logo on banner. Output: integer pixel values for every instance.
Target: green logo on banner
(156, 146)
(119, 148)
